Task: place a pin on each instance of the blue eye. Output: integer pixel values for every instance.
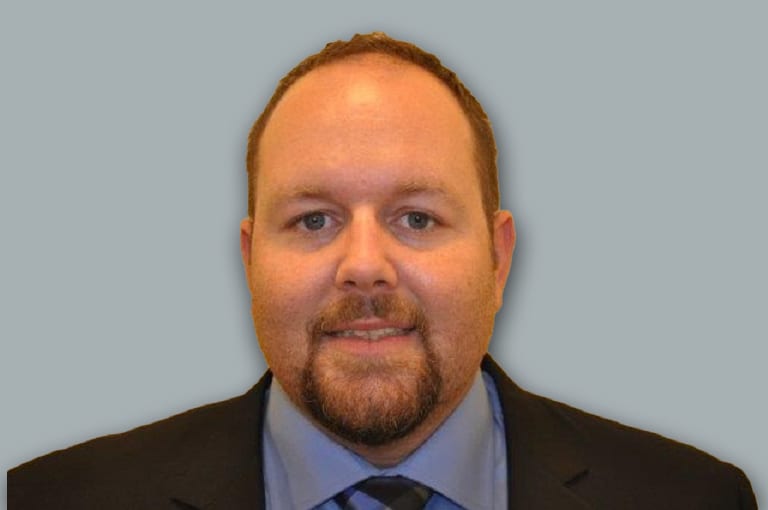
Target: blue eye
(313, 221)
(419, 220)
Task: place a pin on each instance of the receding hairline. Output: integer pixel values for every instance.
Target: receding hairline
(379, 73)
(374, 61)
(378, 46)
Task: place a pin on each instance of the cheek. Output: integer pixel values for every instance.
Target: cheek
(456, 289)
(284, 282)
(458, 299)
(284, 297)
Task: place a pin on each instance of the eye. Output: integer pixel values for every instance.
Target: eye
(417, 220)
(314, 220)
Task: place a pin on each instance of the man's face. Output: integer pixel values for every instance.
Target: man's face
(373, 285)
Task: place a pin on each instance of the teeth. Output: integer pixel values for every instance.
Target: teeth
(373, 334)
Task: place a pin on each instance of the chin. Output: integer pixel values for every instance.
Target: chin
(370, 401)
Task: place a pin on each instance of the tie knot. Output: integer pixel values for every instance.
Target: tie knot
(394, 492)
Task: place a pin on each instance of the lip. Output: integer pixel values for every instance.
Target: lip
(371, 330)
(372, 337)
(368, 325)
(369, 344)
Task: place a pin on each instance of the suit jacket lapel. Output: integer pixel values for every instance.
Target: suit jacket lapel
(544, 452)
(226, 472)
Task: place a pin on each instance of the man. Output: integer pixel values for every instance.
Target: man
(376, 256)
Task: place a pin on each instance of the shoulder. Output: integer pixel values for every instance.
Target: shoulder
(623, 456)
(140, 464)
(602, 460)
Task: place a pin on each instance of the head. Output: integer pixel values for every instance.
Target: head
(379, 43)
(366, 248)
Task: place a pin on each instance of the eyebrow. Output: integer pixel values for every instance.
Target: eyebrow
(302, 192)
(417, 188)
(406, 189)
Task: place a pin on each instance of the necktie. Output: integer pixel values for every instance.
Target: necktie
(394, 493)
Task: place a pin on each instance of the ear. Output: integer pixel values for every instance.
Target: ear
(504, 237)
(246, 238)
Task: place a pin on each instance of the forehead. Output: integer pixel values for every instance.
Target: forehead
(368, 118)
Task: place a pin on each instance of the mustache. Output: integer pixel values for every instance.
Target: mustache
(355, 307)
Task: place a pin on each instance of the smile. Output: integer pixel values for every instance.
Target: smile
(372, 334)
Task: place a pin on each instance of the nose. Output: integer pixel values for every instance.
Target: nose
(365, 264)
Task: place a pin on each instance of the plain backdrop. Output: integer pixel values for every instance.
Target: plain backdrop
(633, 139)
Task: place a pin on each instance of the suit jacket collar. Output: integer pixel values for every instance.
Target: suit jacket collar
(544, 454)
(226, 472)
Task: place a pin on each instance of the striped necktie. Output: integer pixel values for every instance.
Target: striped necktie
(392, 492)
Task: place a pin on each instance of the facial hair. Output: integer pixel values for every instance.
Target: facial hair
(370, 401)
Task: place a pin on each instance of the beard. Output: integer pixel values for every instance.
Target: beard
(370, 401)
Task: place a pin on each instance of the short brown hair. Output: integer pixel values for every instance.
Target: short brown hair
(380, 43)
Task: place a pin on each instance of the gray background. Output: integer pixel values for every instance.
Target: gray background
(633, 148)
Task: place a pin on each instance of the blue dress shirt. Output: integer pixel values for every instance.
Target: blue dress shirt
(464, 461)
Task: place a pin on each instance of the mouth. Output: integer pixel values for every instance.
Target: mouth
(371, 335)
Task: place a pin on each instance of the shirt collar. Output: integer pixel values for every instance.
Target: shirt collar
(457, 460)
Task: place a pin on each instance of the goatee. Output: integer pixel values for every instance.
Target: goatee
(364, 400)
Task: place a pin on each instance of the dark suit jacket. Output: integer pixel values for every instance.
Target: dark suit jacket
(558, 458)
